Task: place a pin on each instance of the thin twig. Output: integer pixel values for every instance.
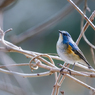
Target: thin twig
(12, 65)
(63, 77)
(59, 81)
(8, 30)
(70, 70)
(86, 40)
(80, 82)
(84, 11)
(56, 84)
(85, 17)
(52, 70)
(85, 27)
(51, 60)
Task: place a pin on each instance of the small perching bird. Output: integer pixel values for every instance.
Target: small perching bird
(69, 51)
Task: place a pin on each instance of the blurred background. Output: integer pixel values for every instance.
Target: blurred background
(35, 26)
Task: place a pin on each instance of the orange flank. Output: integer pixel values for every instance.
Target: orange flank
(69, 50)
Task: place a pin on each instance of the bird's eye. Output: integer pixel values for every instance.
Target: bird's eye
(65, 34)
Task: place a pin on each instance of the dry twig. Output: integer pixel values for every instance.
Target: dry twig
(85, 17)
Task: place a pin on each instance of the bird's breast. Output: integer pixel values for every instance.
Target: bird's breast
(66, 53)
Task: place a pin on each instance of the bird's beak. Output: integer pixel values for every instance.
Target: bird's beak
(60, 31)
(60, 35)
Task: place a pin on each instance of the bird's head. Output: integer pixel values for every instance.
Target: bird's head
(64, 36)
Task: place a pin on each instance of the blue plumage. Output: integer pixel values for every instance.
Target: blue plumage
(69, 51)
(74, 46)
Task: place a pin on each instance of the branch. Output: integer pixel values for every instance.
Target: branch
(12, 65)
(58, 83)
(85, 17)
(85, 27)
(51, 70)
(80, 82)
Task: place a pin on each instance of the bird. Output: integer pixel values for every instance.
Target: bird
(68, 50)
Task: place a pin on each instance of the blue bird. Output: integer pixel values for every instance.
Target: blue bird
(69, 51)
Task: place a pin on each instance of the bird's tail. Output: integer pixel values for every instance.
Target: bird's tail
(90, 67)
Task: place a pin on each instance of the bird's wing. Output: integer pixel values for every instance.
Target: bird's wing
(78, 52)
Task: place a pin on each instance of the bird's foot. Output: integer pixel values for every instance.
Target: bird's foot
(73, 66)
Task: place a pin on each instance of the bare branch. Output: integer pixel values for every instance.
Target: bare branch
(57, 83)
(8, 30)
(85, 17)
(52, 70)
(86, 40)
(80, 82)
(84, 11)
(85, 27)
(12, 65)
